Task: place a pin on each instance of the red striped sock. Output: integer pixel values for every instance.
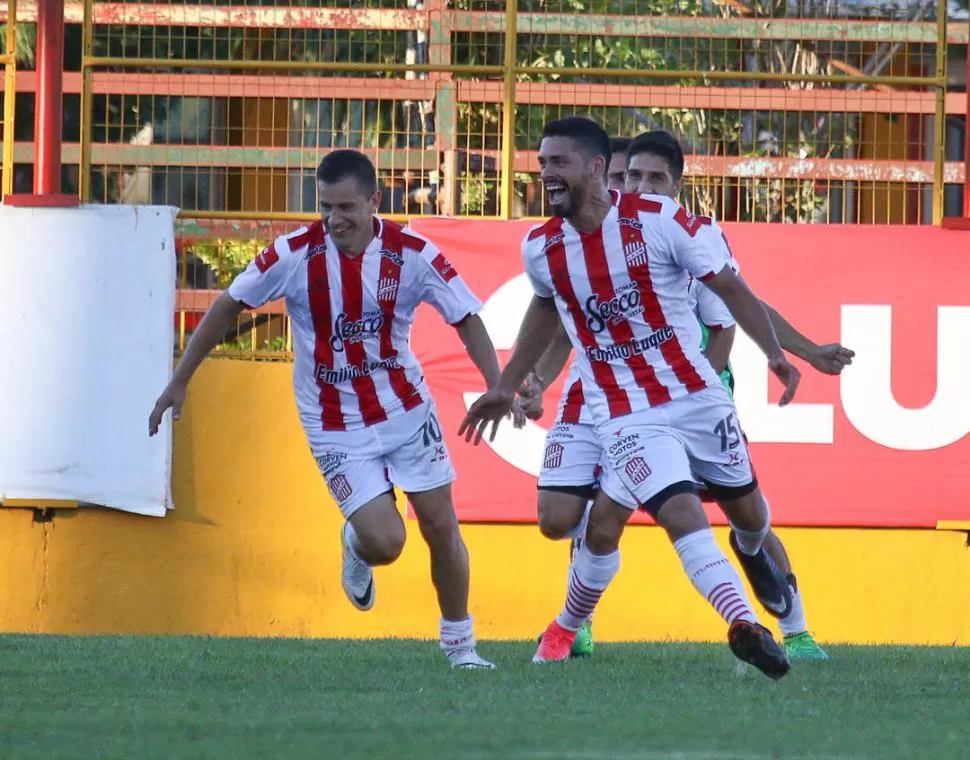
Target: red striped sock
(714, 576)
(589, 576)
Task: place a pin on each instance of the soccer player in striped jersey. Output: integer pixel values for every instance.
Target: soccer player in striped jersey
(655, 165)
(615, 267)
(352, 282)
(572, 434)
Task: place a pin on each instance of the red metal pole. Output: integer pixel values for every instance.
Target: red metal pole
(966, 145)
(50, 90)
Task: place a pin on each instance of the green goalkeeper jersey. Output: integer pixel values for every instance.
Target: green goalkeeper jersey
(727, 376)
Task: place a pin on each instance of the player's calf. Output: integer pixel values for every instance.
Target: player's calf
(680, 513)
(449, 573)
(373, 535)
(750, 522)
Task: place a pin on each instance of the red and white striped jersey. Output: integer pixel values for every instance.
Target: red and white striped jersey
(708, 306)
(621, 292)
(351, 319)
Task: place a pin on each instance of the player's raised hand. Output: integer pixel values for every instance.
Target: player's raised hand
(491, 407)
(789, 375)
(172, 398)
(518, 415)
(530, 397)
(831, 358)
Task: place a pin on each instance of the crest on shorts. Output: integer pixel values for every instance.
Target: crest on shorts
(637, 470)
(340, 488)
(553, 456)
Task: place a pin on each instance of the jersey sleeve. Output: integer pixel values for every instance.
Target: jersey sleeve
(702, 255)
(539, 279)
(711, 310)
(442, 287)
(265, 278)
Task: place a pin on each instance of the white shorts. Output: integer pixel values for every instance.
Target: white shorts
(689, 439)
(408, 451)
(573, 458)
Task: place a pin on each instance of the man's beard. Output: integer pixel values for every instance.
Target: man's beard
(572, 204)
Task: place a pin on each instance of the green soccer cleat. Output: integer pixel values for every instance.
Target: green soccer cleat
(583, 645)
(802, 646)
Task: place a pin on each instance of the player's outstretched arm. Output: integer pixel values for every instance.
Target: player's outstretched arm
(547, 369)
(480, 349)
(751, 315)
(537, 328)
(831, 358)
(216, 323)
(479, 346)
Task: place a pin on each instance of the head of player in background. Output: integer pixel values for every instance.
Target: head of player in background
(616, 172)
(348, 197)
(655, 165)
(573, 157)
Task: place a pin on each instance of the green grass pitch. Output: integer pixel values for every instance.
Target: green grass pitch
(184, 697)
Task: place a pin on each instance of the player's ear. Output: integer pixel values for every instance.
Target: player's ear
(375, 201)
(678, 188)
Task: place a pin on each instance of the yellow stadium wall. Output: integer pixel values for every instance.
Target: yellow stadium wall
(252, 550)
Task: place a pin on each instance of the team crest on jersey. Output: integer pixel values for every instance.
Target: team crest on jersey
(553, 456)
(393, 256)
(635, 253)
(626, 221)
(355, 330)
(387, 289)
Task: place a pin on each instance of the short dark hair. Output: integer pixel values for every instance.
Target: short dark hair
(339, 164)
(663, 144)
(589, 135)
(620, 145)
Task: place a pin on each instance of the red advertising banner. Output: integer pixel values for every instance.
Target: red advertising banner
(886, 444)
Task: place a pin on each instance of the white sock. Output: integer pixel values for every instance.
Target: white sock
(749, 541)
(457, 634)
(353, 541)
(580, 530)
(713, 576)
(589, 576)
(795, 622)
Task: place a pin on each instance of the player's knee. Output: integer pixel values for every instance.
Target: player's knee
(682, 515)
(603, 538)
(559, 514)
(748, 512)
(554, 523)
(387, 545)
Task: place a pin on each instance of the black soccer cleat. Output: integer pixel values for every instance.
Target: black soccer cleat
(753, 643)
(767, 581)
